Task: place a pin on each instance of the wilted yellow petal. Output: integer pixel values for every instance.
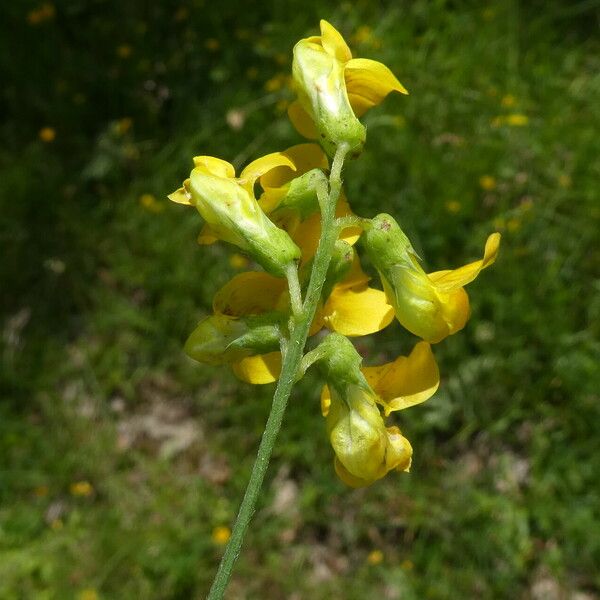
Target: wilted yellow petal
(357, 311)
(250, 293)
(347, 477)
(333, 42)
(214, 166)
(450, 280)
(259, 369)
(368, 82)
(407, 381)
(302, 121)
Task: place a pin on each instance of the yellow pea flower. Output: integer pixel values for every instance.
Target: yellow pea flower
(335, 89)
(228, 206)
(434, 305)
(352, 308)
(365, 449)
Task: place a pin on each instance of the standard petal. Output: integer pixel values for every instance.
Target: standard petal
(259, 369)
(333, 42)
(368, 82)
(302, 121)
(407, 381)
(305, 158)
(447, 281)
(263, 165)
(214, 166)
(357, 311)
(250, 293)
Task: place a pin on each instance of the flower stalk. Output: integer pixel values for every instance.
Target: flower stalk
(291, 363)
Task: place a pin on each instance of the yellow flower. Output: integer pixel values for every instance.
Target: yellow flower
(212, 44)
(228, 206)
(487, 182)
(365, 449)
(150, 203)
(334, 89)
(508, 100)
(221, 535)
(124, 51)
(81, 488)
(517, 120)
(352, 308)
(434, 305)
(47, 134)
(375, 557)
(45, 12)
(88, 594)
(453, 206)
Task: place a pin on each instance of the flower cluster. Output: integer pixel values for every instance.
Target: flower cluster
(272, 213)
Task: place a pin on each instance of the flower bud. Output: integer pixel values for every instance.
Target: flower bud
(319, 79)
(220, 339)
(235, 216)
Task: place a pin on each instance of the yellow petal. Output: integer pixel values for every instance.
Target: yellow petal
(333, 42)
(180, 196)
(450, 280)
(207, 236)
(263, 165)
(368, 82)
(302, 121)
(259, 369)
(214, 166)
(357, 311)
(307, 234)
(249, 293)
(407, 381)
(305, 158)
(347, 477)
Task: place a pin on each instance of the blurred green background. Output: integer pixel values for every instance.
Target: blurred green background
(122, 463)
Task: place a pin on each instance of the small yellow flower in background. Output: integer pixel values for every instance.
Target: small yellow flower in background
(508, 100)
(44, 12)
(150, 203)
(375, 557)
(47, 134)
(276, 82)
(212, 44)
(221, 535)
(124, 125)
(407, 565)
(363, 34)
(81, 488)
(517, 120)
(40, 491)
(88, 594)
(181, 13)
(513, 225)
(564, 180)
(56, 524)
(237, 261)
(487, 182)
(453, 206)
(124, 51)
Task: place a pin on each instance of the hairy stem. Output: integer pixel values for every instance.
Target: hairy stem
(289, 368)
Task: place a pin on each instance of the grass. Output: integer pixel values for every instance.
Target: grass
(100, 292)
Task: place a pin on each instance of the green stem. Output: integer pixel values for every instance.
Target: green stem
(289, 369)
